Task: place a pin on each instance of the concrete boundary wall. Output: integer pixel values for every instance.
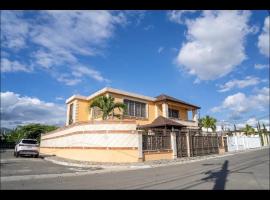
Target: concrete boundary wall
(236, 143)
(108, 141)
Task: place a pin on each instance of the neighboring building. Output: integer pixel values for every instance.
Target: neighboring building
(152, 128)
(141, 108)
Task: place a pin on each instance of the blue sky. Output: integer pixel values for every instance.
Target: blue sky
(218, 60)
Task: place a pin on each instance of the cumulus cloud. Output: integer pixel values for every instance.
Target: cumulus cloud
(248, 81)
(60, 37)
(178, 16)
(263, 39)
(215, 43)
(239, 103)
(18, 110)
(253, 121)
(13, 66)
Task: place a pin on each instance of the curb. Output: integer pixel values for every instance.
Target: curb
(146, 165)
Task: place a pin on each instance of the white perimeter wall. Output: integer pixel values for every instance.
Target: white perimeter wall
(84, 136)
(243, 142)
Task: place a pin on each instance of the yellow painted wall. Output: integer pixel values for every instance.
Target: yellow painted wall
(157, 156)
(140, 121)
(94, 155)
(83, 110)
(183, 112)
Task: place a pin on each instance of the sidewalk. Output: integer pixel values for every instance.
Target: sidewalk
(146, 164)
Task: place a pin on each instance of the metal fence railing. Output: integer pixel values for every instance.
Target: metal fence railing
(157, 140)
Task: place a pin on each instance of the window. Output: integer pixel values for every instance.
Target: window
(135, 108)
(70, 114)
(173, 113)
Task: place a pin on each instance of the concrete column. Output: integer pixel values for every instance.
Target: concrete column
(75, 111)
(67, 114)
(188, 147)
(236, 143)
(174, 145)
(156, 111)
(165, 110)
(264, 140)
(140, 146)
(195, 115)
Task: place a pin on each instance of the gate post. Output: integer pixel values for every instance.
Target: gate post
(174, 147)
(188, 148)
(140, 146)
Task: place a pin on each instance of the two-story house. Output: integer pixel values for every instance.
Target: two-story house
(149, 129)
(143, 109)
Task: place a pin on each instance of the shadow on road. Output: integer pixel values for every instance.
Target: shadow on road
(219, 177)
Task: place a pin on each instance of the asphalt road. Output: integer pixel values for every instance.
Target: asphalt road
(249, 170)
(23, 166)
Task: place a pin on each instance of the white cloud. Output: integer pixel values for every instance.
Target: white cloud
(60, 37)
(261, 66)
(14, 30)
(215, 43)
(80, 71)
(253, 121)
(68, 80)
(13, 66)
(18, 110)
(177, 16)
(248, 81)
(160, 49)
(239, 103)
(263, 39)
(59, 98)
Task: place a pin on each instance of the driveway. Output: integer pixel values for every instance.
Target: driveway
(248, 170)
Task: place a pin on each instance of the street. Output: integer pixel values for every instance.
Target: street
(246, 170)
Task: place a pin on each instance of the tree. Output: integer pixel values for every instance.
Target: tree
(30, 131)
(208, 122)
(107, 106)
(248, 130)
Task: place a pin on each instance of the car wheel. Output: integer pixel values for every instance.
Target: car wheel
(36, 156)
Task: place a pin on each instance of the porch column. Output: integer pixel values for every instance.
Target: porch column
(140, 146)
(188, 147)
(67, 114)
(174, 147)
(165, 110)
(195, 115)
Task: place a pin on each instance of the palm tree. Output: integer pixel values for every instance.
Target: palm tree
(248, 130)
(107, 106)
(208, 122)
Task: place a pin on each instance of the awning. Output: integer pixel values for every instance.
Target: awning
(161, 121)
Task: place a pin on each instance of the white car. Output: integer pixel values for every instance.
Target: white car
(27, 147)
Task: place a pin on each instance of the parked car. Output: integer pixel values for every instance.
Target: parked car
(27, 147)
